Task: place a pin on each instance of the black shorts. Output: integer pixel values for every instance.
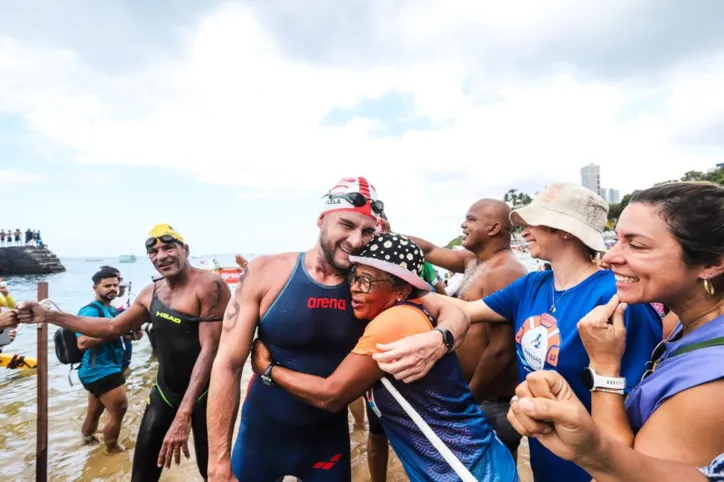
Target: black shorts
(373, 421)
(105, 384)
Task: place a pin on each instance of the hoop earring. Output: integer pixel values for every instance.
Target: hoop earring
(708, 287)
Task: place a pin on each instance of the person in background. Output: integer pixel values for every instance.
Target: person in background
(122, 303)
(6, 299)
(548, 409)
(101, 370)
(186, 308)
(487, 355)
(2, 237)
(670, 250)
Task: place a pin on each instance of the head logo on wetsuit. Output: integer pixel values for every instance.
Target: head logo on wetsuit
(168, 317)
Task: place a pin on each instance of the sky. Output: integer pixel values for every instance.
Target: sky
(231, 120)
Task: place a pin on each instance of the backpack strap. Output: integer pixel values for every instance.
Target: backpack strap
(697, 346)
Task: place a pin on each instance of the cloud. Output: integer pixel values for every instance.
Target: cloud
(10, 176)
(437, 103)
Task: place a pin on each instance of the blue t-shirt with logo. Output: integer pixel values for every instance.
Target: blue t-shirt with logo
(549, 340)
(108, 355)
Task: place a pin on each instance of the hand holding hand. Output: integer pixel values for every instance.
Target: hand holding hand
(549, 411)
(31, 312)
(8, 319)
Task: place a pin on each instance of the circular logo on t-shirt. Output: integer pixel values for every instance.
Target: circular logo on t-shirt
(539, 341)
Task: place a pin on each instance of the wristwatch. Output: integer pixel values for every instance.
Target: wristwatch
(595, 382)
(266, 376)
(447, 338)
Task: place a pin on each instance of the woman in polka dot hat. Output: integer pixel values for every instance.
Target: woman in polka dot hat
(433, 424)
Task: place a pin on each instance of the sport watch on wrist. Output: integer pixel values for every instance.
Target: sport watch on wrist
(266, 376)
(447, 338)
(595, 382)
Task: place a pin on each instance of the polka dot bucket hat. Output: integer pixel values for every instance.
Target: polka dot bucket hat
(395, 254)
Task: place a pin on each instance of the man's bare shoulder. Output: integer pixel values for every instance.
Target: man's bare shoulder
(273, 262)
(145, 296)
(503, 271)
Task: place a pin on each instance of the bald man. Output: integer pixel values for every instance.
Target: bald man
(487, 355)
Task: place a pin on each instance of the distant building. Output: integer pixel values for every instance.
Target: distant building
(720, 165)
(604, 194)
(591, 178)
(614, 196)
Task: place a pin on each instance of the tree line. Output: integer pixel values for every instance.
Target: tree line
(516, 199)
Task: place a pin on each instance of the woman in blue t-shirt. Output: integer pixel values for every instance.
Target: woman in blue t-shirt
(563, 226)
(670, 249)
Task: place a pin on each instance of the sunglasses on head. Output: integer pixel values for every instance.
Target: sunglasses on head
(165, 238)
(358, 200)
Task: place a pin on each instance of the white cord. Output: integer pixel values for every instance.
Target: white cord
(446, 453)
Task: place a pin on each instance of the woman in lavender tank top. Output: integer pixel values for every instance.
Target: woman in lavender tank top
(670, 249)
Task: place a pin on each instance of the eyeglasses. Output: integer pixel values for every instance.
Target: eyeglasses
(364, 282)
(165, 238)
(358, 200)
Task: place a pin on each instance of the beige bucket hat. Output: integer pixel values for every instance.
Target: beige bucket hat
(570, 208)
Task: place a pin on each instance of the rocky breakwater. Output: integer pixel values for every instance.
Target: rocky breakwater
(23, 260)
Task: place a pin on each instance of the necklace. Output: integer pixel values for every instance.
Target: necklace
(553, 290)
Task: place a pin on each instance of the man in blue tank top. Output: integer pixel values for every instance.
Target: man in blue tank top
(300, 304)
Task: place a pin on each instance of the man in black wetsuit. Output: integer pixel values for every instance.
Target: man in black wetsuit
(186, 308)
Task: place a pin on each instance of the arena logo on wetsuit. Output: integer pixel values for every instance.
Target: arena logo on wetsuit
(539, 341)
(327, 303)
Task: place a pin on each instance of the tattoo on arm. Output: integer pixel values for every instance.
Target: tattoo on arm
(232, 317)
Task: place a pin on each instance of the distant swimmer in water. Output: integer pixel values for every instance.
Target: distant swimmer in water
(487, 356)
(301, 305)
(386, 283)
(186, 308)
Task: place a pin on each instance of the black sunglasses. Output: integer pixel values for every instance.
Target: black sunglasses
(656, 355)
(358, 200)
(166, 238)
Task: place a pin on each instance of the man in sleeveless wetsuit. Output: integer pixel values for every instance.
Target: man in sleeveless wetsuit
(185, 308)
(300, 303)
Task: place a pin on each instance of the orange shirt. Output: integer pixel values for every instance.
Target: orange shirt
(391, 325)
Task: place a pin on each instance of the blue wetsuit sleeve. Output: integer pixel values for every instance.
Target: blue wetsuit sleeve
(505, 302)
(643, 333)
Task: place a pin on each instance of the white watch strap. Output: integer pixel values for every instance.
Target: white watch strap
(611, 383)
